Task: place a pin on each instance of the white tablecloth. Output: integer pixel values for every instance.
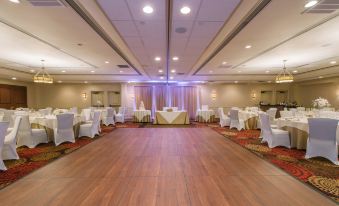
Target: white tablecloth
(142, 115)
(245, 115)
(205, 116)
(175, 117)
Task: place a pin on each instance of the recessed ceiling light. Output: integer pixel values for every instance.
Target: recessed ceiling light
(85, 82)
(248, 46)
(333, 62)
(267, 71)
(211, 71)
(14, 78)
(160, 71)
(15, 1)
(173, 71)
(320, 77)
(175, 58)
(92, 71)
(32, 70)
(161, 77)
(295, 71)
(185, 10)
(148, 9)
(121, 71)
(106, 62)
(63, 71)
(59, 81)
(269, 81)
(310, 4)
(171, 77)
(239, 71)
(236, 82)
(224, 63)
(157, 59)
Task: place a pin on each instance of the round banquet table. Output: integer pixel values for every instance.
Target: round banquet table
(142, 116)
(205, 116)
(251, 119)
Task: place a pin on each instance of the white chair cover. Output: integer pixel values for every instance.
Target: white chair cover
(204, 107)
(273, 137)
(322, 139)
(64, 131)
(272, 113)
(3, 131)
(237, 123)
(9, 148)
(109, 118)
(86, 113)
(91, 129)
(224, 120)
(73, 110)
(120, 117)
(28, 136)
(44, 112)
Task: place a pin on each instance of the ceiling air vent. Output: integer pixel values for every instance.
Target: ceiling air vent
(325, 6)
(228, 66)
(122, 66)
(180, 73)
(48, 3)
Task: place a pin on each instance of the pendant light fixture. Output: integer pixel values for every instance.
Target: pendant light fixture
(42, 76)
(284, 76)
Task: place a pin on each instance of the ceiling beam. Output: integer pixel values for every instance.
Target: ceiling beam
(169, 10)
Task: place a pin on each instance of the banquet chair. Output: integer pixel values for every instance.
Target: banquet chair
(8, 117)
(49, 109)
(204, 107)
(64, 131)
(322, 140)
(109, 117)
(294, 111)
(120, 117)
(286, 114)
(9, 148)
(272, 113)
(3, 131)
(86, 114)
(28, 136)
(235, 122)
(301, 109)
(224, 120)
(73, 110)
(273, 137)
(91, 129)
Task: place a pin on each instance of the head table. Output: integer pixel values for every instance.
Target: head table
(173, 117)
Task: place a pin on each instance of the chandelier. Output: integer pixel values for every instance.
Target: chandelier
(284, 76)
(42, 76)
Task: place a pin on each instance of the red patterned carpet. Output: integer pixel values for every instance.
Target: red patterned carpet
(318, 173)
(33, 159)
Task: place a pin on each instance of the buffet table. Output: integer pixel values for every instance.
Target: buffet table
(298, 130)
(205, 116)
(142, 116)
(174, 117)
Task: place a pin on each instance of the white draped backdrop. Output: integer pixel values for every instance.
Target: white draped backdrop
(155, 97)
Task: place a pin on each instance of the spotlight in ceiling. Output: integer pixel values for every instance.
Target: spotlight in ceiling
(85, 82)
(59, 81)
(267, 71)
(160, 71)
(15, 1)
(175, 58)
(32, 70)
(171, 77)
(63, 71)
(310, 4)
(173, 71)
(121, 71)
(248, 46)
(13, 78)
(239, 71)
(333, 62)
(158, 59)
(211, 71)
(320, 77)
(236, 82)
(295, 71)
(185, 10)
(92, 71)
(161, 77)
(147, 9)
(106, 62)
(224, 63)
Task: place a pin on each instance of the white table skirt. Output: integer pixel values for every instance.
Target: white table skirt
(142, 115)
(205, 116)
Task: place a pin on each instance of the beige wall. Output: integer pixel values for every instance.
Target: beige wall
(68, 95)
(328, 89)
(240, 95)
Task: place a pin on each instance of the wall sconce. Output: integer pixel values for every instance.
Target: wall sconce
(214, 95)
(254, 95)
(84, 96)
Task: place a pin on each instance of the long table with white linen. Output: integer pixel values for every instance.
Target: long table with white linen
(142, 116)
(251, 119)
(205, 116)
(298, 130)
(174, 117)
(49, 123)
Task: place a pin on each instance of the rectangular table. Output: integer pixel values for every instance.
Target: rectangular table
(175, 117)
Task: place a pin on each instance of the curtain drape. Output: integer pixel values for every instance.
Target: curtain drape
(190, 99)
(160, 97)
(143, 93)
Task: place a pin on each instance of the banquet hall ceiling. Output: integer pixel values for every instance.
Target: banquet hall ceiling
(86, 40)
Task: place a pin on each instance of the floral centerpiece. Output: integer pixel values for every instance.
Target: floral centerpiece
(321, 103)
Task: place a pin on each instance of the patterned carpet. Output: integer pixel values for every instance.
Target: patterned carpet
(35, 158)
(318, 173)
